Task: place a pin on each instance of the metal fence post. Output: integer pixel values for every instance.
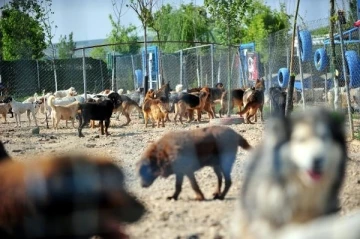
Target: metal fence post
(346, 79)
(84, 74)
(181, 67)
(38, 74)
(212, 64)
(102, 75)
(133, 71)
(301, 71)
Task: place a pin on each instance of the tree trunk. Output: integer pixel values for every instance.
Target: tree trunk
(333, 56)
(290, 93)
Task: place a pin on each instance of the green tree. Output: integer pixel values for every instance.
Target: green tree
(123, 34)
(229, 15)
(260, 23)
(66, 46)
(99, 53)
(192, 25)
(22, 36)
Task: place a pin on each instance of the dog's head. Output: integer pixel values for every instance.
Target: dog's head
(115, 98)
(72, 91)
(153, 163)
(315, 146)
(8, 99)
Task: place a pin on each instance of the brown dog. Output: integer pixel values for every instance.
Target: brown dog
(253, 100)
(4, 109)
(188, 103)
(236, 99)
(64, 197)
(156, 110)
(184, 152)
(126, 108)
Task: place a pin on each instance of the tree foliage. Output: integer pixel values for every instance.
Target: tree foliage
(123, 34)
(99, 53)
(191, 24)
(262, 21)
(228, 16)
(22, 34)
(66, 46)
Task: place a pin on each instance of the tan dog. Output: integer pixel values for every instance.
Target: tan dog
(4, 109)
(184, 152)
(253, 100)
(156, 110)
(188, 103)
(66, 112)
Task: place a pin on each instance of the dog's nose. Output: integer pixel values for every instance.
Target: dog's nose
(318, 164)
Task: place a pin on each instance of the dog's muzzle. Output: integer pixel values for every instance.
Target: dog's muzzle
(317, 169)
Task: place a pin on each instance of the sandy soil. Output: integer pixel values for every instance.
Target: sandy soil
(184, 218)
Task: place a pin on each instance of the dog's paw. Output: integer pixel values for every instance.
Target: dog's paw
(171, 198)
(218, 197)
(199, 198)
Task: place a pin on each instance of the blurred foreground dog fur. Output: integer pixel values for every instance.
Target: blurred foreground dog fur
(294, 176)
(71, 196)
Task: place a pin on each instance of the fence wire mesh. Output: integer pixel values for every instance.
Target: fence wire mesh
(203, 65)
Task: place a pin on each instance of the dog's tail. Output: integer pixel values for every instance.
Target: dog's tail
(243, 143)
(247, 108)
(51, 101)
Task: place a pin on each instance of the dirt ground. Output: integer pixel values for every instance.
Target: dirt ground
(184, 218)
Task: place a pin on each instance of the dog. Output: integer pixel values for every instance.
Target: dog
(126, 108)
(295, 175)
(20, 107)
(156, 110)
(4, 110)
(71, 196)
(236, 99)
(253, 100)
(187, 103)
(277, 100)
(3, 153)
(64, 112)
(101, 111)
(184, 152)
(65, 93)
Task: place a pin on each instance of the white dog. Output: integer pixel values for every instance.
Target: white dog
(65, 93)
(21, 107)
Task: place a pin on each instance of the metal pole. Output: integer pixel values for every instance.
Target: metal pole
(212, 64)
(84, 74)
(228, 69)
(113, 72)
(346, 79)
(301, 72)
(133, 71)
(181, 67)
(38, 74)
(102, 76)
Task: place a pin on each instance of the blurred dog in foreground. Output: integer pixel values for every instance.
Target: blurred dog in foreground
(184, 152)
(294, 176)
(64, 197)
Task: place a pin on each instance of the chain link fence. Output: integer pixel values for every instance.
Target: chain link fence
(205, 65)
(314, 84)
